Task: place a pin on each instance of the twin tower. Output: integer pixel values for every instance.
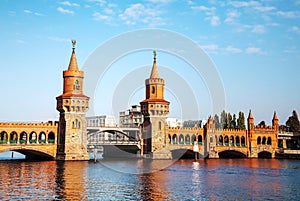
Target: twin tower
(72, 105)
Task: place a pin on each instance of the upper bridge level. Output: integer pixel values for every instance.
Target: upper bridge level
(34, 140)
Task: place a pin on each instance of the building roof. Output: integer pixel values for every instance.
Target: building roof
(154, 71)
(73, 66)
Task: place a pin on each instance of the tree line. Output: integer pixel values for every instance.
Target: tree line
(292, 124)
(229, 121)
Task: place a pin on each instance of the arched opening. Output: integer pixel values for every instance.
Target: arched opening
(269, 141)
(174, 139)
(259, 140)
(153, 90)
(42, 137)
(200, 139)
(226, 141)
(193, 138)
(237, 141)
(231, 140)
(3, 137)
(51, 137)
(76, 124)
(181, 139)
(221, 140)
(23, 138)
(76, 85)
(187, 139)
(169, 137)
(231, 154)
(159, 125)
(264, 140)
(13, 138)
(184, 154)
(243, 141)
(32, 137)
(264, 154)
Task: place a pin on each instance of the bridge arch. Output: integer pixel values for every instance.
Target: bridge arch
(174, 139)
(187, 139)
(181, 139)
(32, 153)
(231, 154)
(23, 137)
(13, 136)
(264, 154)
(184, 153)
(3, 137)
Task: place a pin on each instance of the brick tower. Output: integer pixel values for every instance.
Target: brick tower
(72, 106)
(155, 110)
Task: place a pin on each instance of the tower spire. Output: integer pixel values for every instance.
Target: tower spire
(73, 66)
(154, 71)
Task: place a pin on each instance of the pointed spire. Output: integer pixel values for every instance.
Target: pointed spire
(275, 116)
(154, 71)
(73, 61)
(250, 115)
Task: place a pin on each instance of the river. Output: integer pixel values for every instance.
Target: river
(213, 179)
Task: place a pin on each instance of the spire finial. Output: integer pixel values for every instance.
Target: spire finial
(73, 43)
(154, 54)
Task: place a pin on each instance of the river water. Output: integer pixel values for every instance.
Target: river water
(218, 179)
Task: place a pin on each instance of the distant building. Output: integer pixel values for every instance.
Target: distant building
(101, 121)
(173, 122)
(131, 118)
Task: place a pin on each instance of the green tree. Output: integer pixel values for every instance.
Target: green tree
(217, 121)
(223, 122)
(229, 119)
(293, 122)
(241, 121)
(233, 122)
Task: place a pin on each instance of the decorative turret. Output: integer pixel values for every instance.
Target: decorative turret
(250, 121)
(275, 121)
(72, 106)
(155, 110)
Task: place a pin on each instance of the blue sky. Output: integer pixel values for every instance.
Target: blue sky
(255, 46)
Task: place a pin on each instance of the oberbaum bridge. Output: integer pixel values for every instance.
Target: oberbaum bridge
(71, 139)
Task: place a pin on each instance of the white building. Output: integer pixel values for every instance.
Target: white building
(101, 121)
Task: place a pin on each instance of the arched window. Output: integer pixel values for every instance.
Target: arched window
(264, 140)
(3, 137)
(221, 140)
(32, 137)
(259, 140)
(200, 139)
(169, 136)
(269, 141)
(76, 124)
(231, 141)
(226, 140)
(243, 141)
(193, 138)
(42, 137)
(187, 139)
(174, 139)
(153, 90)
(237, 141)
(23, 138)
(51, 137)
(13, 137)
(76, 85)
(181, 140)
(159, 125)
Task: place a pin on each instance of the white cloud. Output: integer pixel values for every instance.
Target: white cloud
(141, 13)
(244, 3)
(211, 48)
(258, 29)
(99, 17)
(108, 11)
(27, 11)
(231, 16)
(233, 49)
(39, 14)
(65, 11)
(207, 10)
(21, 41)
(288, 14)
(99, 2)
(215, 21)
(264, 8)
(254, 50)
(160, 1)
(67, 3)
(295, 29)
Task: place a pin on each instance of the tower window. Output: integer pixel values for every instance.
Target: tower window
(76, 85)
(76, 124)
(153, 89)
(159, 125)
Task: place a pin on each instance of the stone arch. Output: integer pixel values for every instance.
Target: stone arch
(243, 141)
(226, 140)
(23, 138)
(193, 138)
(269, 141)
(13, 136)
(237, 141)
(221, 140)
(174, 139)
(181, 139)
(264, 140)
(42, 137)
(187, 139)
(200, 139)
(3, 137)
(32, 137)
(51, 137)
(231, 140)
(258, 140)
(231, 154)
